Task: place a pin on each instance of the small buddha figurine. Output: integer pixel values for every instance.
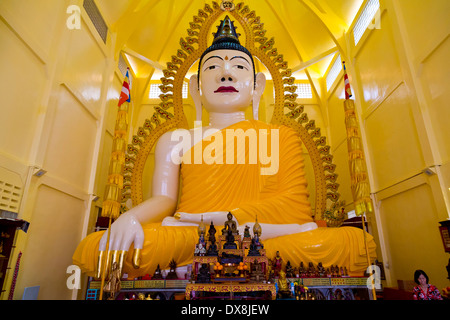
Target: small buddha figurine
(200, 247)
(311, 270)
(283, 287)
(212, 233)
(320, 270)
(201, 228)
(202, 240)
(172, 271)
(212, 249)
(230, 224)
(247, 232)
(334, 271)
(230, 244)
(113, 285)
(253, 251)
(200, 250)
(301, 270)
(157, 275)
(270, 273)
(256, 274)
(289, 270)
(277, 263)
(258, 243)
(204, 275)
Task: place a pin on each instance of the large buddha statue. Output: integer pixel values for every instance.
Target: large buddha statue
(220, 175)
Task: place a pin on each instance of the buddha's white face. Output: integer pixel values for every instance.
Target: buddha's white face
(226, 81)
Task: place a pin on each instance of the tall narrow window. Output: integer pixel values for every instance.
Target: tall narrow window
(364, 19)
(334, 72)
(154, 91)
(184, 90)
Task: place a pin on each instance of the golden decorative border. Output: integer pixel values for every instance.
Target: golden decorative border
(194, 287)
(262, 47)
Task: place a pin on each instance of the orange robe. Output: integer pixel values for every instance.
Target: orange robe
(280, 198)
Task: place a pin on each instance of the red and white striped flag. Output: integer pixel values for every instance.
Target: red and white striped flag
(125, 94)
(348, 90)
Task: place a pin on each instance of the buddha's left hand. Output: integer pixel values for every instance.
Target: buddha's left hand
(217, 217)
(268, 230)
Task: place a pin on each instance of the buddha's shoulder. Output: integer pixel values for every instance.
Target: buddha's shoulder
(170, 139)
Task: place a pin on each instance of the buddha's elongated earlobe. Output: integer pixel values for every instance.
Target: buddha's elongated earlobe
(255, 107)
(259, 89)
(195, 94)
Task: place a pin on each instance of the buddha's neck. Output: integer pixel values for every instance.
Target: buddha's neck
(223, 120)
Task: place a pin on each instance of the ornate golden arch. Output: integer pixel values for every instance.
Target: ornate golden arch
(169, 114)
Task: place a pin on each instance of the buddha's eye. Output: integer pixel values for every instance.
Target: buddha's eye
(211, 67)
(240, 67)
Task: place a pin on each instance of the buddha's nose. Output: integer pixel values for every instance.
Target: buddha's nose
(223, 79)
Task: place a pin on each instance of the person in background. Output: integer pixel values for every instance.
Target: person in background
(424, 290)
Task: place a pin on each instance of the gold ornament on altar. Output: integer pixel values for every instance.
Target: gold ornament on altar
(257, 228)
(201, 228)
(113, 285)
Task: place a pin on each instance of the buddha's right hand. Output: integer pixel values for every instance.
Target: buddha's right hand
(124, 231)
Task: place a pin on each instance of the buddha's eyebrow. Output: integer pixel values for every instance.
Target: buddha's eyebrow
(241, 58)
(213, 57)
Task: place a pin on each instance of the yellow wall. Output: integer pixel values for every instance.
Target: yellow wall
(59, 89)
(398, 76)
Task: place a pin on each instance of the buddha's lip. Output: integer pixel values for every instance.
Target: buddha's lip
(226, 89)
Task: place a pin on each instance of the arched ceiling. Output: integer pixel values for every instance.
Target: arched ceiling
(307, 32)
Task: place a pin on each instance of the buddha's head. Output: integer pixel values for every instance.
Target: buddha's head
(226, 81)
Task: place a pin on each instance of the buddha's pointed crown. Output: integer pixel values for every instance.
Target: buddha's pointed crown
(226, 32)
